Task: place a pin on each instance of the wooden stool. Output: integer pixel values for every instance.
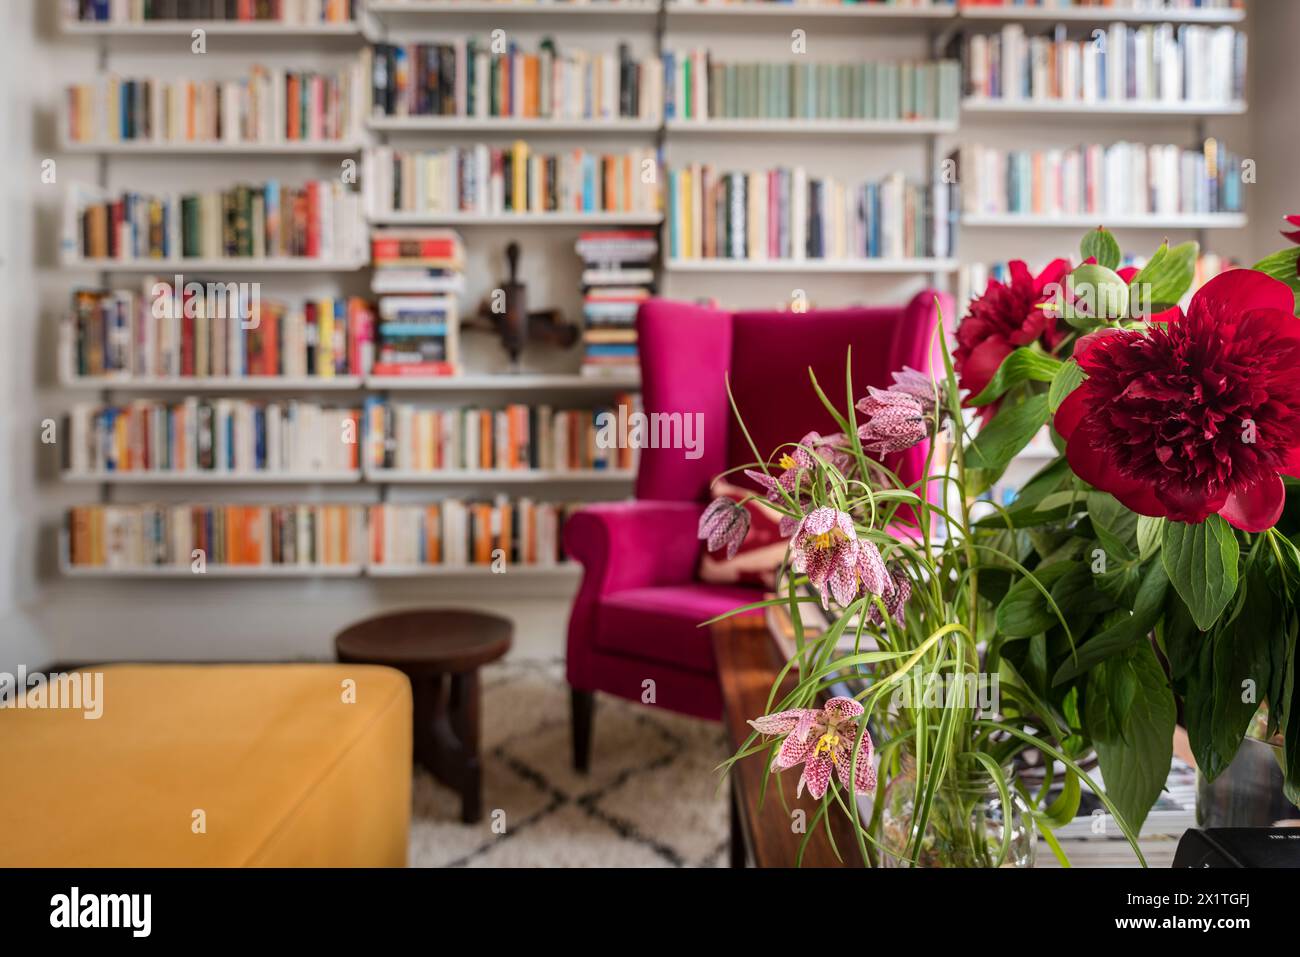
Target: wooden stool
(440, 651)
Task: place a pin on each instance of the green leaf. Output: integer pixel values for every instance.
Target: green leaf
(1283, 266)
(1068, 378)
(1147, 609)
(1101, 246)
(1023, 365)
(1166, 278)
(1202, 563)
(1115, 525)
(1242, 669)
(1001, 439)
(1134, 741)
(1149, 531)
(1025, 610)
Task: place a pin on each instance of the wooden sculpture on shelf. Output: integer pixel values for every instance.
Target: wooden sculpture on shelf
(505, 311)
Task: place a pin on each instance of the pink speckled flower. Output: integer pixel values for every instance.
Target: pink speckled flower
(725, 523)
(895, 599)
(921, 387)
(798, 465)
(896, 421)
(822, 740)
(825, 547)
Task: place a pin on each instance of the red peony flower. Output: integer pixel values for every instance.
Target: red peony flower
(1197, 416)
(1006, 317)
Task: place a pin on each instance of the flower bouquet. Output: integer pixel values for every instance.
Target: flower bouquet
(1149, 568)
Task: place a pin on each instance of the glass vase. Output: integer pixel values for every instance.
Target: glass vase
(967, 827)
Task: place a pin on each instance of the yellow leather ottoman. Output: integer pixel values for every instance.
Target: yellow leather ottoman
(273, 760)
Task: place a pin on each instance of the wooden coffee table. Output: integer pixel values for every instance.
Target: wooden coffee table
(764, 831)
(440, 651)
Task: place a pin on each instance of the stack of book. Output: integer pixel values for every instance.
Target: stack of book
(409, 438)
(785, 214)
(195, 537)
(218, 436)
(270, 106)
(1122, 179)
(457, 534)
(283, 11)
(319, 220)
(489, 180)
(201, 333)
(418, 273)
(698, 87)
(1184, 64)
(617, 276)
(471, 78)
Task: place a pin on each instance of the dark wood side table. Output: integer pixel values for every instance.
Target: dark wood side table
(440, 651)
(748, 663)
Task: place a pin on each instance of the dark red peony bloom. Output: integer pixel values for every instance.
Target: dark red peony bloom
(1006, 317)
(1198, 416)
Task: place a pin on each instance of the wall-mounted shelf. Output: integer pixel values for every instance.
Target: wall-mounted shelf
(1092, 220)
(511, 124)
(387, 9)
(205, 150)
(793, 127)
(848, 266)
(496, 477)
(233, 28)
(69, 570)
(150, 477)
(516, 219)
(1117, 108)
(283, 264)
(500, 383)
(562, 570)
(1097, 15)
(215, 383)
(847, 11)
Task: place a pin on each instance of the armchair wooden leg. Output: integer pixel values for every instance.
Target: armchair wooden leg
(583, 706)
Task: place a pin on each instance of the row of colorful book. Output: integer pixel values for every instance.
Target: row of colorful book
(1122, 179)
(700, 87)
(269, 106)
(198, 537)
(973, 279)
(454, 533)
(467, 77)
(490, 180)
(319, 220)
(1183, 64)
(1146, 6)
(213, 435)
(404, 437)
(451, 533)
(617, 276)
(785, 213)
(204, 330)
(283, 11)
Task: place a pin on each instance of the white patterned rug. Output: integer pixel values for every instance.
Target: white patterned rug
(651, 799)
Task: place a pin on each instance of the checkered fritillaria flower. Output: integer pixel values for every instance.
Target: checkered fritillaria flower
(896, 421)
(921, 387)
(724, 524)
(799, 463)
(895, 599)
(822, 740)
(825, 548)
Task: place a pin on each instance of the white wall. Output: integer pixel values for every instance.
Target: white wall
(44, 618)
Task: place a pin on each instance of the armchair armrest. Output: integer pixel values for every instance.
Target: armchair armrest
(635, 544)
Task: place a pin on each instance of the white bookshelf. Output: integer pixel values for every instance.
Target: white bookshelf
(69, 570)
(561, 570)
(522, 382)
(516, 219)
(800, 127)
(498, 476)
(842, 11)
(1108, 108)
(1097, 15)
(847, 266)
(215, 383)
(250, 264)
(221, 28)
(152, 477)
(388, 9)
(1093, 220)
(614, 125)
(165, 148)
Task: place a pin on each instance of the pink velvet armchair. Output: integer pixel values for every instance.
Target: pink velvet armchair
(637, 614)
